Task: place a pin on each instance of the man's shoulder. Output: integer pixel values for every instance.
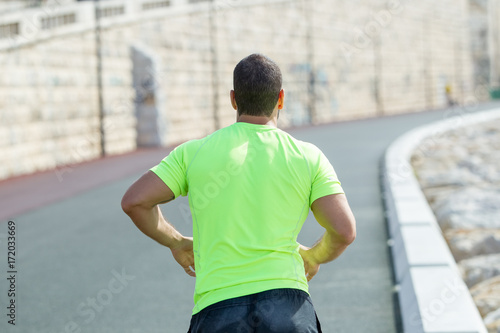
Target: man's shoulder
(191, 148)
(307, 148)
(195, 143)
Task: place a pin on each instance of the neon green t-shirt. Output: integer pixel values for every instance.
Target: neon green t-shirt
(250, 189)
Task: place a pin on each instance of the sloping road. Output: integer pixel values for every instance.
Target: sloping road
(82, 266)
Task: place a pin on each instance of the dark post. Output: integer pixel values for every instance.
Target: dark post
(459, 73)
(377, 62)
(98, 45)
(427, 58)
(213, 54)
(311, 84)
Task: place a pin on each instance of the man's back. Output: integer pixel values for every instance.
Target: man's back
(250, 189)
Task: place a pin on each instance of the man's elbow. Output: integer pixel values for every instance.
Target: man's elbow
(130, 204)
(127, 205)
(349, 237)
(348, 234)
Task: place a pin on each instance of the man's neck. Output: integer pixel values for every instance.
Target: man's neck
(257, 120)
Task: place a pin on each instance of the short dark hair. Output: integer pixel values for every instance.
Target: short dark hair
(257, 84)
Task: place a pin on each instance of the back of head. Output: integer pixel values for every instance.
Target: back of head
(257, 84)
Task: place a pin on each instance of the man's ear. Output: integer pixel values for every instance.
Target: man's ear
(281, 100)
(233, 100)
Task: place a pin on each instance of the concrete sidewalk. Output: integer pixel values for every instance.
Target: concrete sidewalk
(82, 264)
(25, 193)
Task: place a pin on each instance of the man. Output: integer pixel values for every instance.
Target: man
(250, 188)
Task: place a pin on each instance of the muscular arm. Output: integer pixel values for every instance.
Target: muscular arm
(140, 203)
(334, 214)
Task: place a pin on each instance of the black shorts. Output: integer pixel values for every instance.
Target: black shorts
(272, 311)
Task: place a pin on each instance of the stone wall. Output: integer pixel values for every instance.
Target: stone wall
(493, 15)
(340, 60)
(484, 17)
(480, 32)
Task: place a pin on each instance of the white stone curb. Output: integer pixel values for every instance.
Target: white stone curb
(432, 295)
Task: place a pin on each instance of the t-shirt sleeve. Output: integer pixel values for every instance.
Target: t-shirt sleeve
(324, 179)
(172, 170)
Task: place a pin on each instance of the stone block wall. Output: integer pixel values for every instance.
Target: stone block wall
(340, 60)
(493, 15)
(484, 27)
(48, 113)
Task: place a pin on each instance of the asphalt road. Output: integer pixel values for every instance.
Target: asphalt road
(82, 266)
